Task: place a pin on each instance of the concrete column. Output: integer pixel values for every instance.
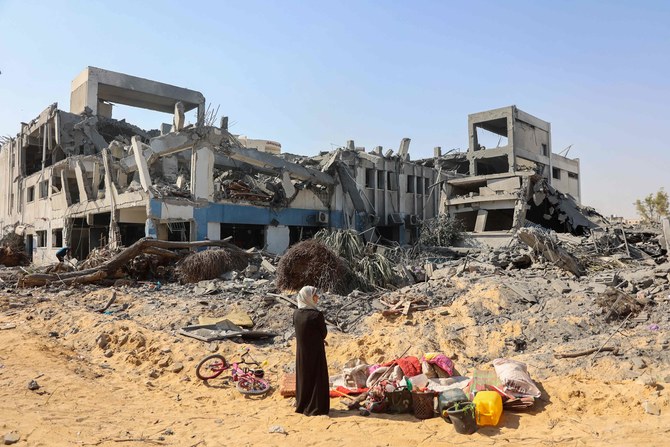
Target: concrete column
(150, 229)
(66, 188)
(480, 223)
(96, 180)
(202, 164)
(201, 114)
(141, 162)
(665, 222)
(213, 231)
(79, 172)
(277, 239)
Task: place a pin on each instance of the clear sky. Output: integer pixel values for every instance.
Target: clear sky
(313, 74)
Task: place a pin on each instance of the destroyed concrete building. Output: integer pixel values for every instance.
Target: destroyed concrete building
(494, 189)
(84, 179)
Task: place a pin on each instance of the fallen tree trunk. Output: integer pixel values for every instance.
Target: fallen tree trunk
(109, 268)
(543, 245)
(40, 279)
(572, 355)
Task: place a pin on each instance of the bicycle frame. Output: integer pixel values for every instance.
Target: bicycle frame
(247, 374)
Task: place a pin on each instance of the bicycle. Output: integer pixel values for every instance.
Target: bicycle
(248, 381)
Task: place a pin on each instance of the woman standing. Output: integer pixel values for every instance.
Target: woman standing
(312, 390)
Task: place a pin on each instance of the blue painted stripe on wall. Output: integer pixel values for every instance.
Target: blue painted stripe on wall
(245, 214)
(155, 208)
(200, 216)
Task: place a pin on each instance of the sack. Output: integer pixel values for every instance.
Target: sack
(428, 370)
(515, 378)
(442, 365)
(355, 373)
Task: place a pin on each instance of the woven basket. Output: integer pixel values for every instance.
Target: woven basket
(399, 401)
(424, 404)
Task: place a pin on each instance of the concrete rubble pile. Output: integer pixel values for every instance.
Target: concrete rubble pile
(135, 202)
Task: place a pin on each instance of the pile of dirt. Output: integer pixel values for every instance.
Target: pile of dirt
(212, 263)
(312, 263)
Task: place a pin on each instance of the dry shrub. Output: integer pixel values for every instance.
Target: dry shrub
(211, 263)
(311, 263)
(618, 304)
(369, 269)
(97, 256)
(13, 241)
(13, 251)
(441, 231)
(11, 258)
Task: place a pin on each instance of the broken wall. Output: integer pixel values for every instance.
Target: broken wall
(565, 176)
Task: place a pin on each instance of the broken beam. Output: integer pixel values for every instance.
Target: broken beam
(264, 160)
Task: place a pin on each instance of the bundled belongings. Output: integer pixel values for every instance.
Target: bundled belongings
(482, 380)
(399, 386)
(515, 378)
(488, 380)
(356, 373)
(434, 364)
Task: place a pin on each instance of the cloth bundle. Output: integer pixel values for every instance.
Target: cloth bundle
(436, 365)
(515, 378)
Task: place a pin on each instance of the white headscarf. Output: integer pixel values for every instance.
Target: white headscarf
(305, 298)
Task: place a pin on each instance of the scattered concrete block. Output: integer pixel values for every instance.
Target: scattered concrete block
(267, 266)
(651, 408)
(446, 272)
(561, 287)
(11, 438)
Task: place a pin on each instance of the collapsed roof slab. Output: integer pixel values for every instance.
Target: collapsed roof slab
(94, 85)
(213, 138)
(484, 178)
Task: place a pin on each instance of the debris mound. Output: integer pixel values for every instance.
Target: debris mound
(312, 263)
(542, 243)
(212, 263)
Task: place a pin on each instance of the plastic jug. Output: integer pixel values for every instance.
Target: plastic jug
(419, 381)
(489, 407)
(448, 398)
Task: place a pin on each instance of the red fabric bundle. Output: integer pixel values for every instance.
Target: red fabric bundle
(410, 365)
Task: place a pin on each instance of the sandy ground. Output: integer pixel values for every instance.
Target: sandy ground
(133, 398)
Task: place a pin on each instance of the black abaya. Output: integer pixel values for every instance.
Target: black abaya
(312, 390)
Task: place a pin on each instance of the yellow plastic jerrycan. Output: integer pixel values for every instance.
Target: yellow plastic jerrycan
(488, 407)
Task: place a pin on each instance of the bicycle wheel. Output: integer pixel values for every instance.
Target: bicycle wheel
(211, 366)
(252, 386)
